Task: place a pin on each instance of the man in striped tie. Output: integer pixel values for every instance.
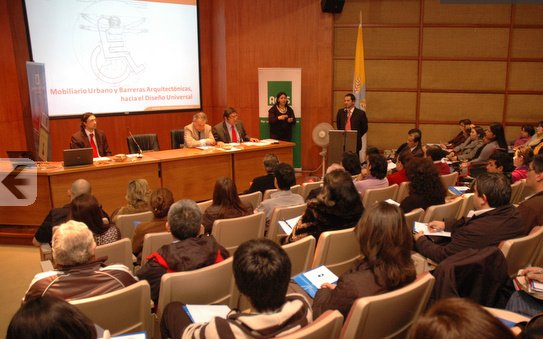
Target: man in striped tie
(90, 137)
(351, 118)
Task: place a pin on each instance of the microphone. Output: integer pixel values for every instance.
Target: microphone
(140, 152)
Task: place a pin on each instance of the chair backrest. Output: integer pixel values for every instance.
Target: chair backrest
(372, 195)
(449, 179)
(297, 189)
(516, 191)
(118, 252)
(301, 254)
(282, 213)
(526, 192)
(152, 242)
(147, 142)
(337, 250)
(520, 252)
(307, 187)
(177, 138)
(127, 222)
(203, 205)
(446, 210)
(233, 232)
(467, 205)
(388, 315)
(213, 284)
(326, 326)
(132, 302)
(414, 215)
(403, 191)
(253, 199)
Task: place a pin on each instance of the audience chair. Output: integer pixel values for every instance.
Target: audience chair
(127, 222)
(337, 250)
(388, 315)
(467, 205)
(177, 138)
(46, 266)
(124, 311)
(46, 252)
(516, 191)
(403, 191)
(147, 142)
(414, 215)
(449, 180)
(373, 195)
(253, 199)
(526, 192)
(118, 252)
(152, 242)
(520, 252)
(208, 285)
(327, 326)
(307, 187)
(301, 254)
(443, 211)
(204, 205)
(233, 232)
(538, 255)
(275, 232)
(296, 189)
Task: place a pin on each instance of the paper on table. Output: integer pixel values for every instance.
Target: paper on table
(101, 159)
(269, 141)
(204, 313)
(288, 224)
(205, 147)
(420, 226)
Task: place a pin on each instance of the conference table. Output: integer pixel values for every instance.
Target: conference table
(190, 173)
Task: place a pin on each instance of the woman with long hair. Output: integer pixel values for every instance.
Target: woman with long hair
(226, 204)
(494, 140)
(281, 118)
(137, 198)
(385, 245)
(468, 150)
(426, 188)
(86, 209)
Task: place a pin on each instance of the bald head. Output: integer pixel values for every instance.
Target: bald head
(80, 186)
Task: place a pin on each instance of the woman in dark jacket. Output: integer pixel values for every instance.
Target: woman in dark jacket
(426, 188)
(281, 118)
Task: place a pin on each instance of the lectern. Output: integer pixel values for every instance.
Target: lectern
(340, 141)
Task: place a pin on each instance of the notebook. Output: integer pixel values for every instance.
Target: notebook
(77, 157)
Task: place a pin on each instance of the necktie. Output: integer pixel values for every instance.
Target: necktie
(348, 124)
(93, 145)
(234, 134)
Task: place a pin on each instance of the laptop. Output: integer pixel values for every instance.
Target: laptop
(77, 157)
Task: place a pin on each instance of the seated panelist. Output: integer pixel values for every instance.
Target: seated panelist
(90, 137)
(199, 133)
(231, 129)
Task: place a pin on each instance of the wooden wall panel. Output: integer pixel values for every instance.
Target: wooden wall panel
(525, 108)
(436, 12)
(463, 75)
(379, 74)
(452, 107)
(378, 42)
(528, 14)
(405, 12)
(526, 76)
(387, 136)
(527, 43)
(436, 133)
(449, 42)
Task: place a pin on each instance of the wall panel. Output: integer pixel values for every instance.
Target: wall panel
(455, 106)
(449, 42)
(439, 13)
(527, 43)
(525, 108)
(463, 75)
(526, 76)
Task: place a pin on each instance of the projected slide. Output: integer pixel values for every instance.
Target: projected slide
(116, 55)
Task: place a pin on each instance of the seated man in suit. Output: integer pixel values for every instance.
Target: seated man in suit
(262, 273)
(199, 133)
(493, 221)
(190, 250)
(413, 144)
(90, 136)
(231, 129)
(78, 275)
(265, 182)
(530, 209)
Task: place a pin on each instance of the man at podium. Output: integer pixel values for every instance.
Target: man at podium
(351, 118)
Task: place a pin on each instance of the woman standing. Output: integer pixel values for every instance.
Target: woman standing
(281, 118)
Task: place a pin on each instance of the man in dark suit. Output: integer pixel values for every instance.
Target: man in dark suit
(90, 137)
(231, 129)
(267, 181)
(351, 118)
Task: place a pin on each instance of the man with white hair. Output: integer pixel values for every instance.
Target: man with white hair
(198, 133)
(78, 275)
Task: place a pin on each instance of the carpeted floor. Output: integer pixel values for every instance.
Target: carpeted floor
(20, 264)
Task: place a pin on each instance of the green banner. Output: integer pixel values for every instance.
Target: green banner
(296, 137)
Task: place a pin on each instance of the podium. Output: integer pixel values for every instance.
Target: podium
(340, 141)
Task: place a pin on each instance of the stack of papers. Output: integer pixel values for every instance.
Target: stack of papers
(288, 224)
(312, 280)
(536, 286)
(421, 226)
(204, 313)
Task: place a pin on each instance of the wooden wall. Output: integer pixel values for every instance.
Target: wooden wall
(430, 64)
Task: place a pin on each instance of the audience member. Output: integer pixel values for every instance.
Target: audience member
(426, 188)
(198, 133)
(436, 153)
(86, 209)
(530, 209)
(523, 303)
(137, 198)
(315, 192)
(494, 140)
(351, 163)
(502, 163)
(338, 206)
(526, 133)
(493, 221)
(89, 136)
(469, 149)
(376, 177)
(385, 246)
(262, 272)
(226, 204)
(458, 318)
(78, 274)
(190, 250)
(523, 157)
(161, 200)
(413, 144)
(49, 317)
(537, 138)
(284, 180)
(265, 182)
(231, 129)
(462, 135)
(400, 175)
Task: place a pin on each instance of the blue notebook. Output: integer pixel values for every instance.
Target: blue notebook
(312, 280)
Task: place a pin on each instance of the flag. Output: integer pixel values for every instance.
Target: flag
(359, 80)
